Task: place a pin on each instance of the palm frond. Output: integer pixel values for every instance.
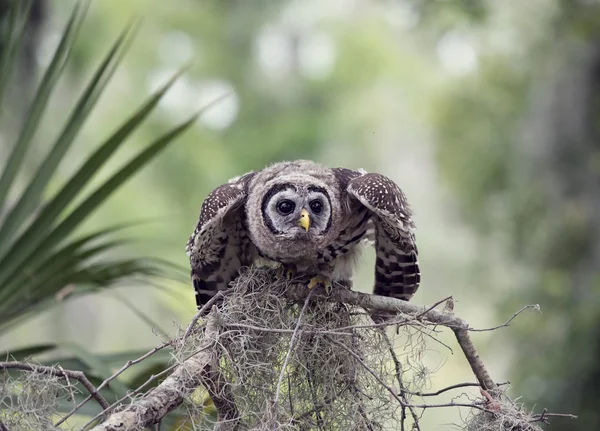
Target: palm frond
(47, 85)
(39, 256)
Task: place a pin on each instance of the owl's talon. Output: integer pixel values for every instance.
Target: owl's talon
(287, 272)
(319, 280)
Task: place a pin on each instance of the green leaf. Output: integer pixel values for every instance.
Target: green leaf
(37, 272)
(78, 181)
(107, 273)
(38, 255)
(103, 274)
(40, 102)
(48, 279)
(30, 198)
(11, 39)
(18, 257)
(26, 352)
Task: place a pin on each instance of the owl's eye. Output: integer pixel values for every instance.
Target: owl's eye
(286, 207)
(316, 206)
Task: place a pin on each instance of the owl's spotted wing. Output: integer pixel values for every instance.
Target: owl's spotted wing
(397, 269)
(219, 245)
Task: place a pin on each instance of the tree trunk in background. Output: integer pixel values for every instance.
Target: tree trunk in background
(561, 142)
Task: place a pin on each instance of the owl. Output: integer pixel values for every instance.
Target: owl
(309, 220)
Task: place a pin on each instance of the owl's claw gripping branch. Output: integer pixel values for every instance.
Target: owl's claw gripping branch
(320, 280)
(286, 272)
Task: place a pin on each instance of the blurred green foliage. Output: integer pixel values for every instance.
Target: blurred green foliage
(487, 109)
(41, 262)
(518, 145)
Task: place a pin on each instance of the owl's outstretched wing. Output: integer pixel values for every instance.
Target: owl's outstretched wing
(219, 245)
(397, 268)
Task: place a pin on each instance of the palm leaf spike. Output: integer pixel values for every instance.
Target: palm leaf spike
(41, 246)
(85, 208)
(36, 283)
(12, 37)
(28, 240)
(39, 104)
(30, 198)
(39, 270)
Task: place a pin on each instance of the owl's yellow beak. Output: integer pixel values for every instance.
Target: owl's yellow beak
(304, 220)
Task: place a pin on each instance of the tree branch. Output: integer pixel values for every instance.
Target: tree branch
(202, 367)
(58, 372)
(199, 369)
(417, 312)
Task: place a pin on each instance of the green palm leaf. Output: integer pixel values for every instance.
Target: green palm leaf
(41, 261)
(39, 256)
(32, 266)
(30, 198)
(47, 85)
(11, 37)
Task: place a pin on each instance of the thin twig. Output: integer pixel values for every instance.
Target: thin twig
(289, 352)
(369, 369)
(71, 393)
(200, 368)
(542, 417)
(128, 364)
(452, 404)
(111, 378)
(77, 375)
(220, 294)
(449, 388)
(534, 307)
(138, 389)
(403, 391)
(285, 331)
(441, 301)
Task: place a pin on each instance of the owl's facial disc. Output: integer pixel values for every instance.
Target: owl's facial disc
(295, 213)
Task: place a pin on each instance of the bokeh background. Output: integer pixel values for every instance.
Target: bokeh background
(486, 113)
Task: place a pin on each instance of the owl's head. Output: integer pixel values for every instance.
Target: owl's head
(291, 209)
(296, 210)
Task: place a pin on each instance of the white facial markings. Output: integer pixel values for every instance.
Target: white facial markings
(301, 199)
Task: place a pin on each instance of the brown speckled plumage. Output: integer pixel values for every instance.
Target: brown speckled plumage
(241, 223)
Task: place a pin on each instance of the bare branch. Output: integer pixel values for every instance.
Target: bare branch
(543, 417)
(534, 307)
(429, 314)
(58, 372)
(111, 378)
(449, 388)
(235, 343)
(403, 391)
(201, 312)
(130, 363)
(441, 301)
(199, 369)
